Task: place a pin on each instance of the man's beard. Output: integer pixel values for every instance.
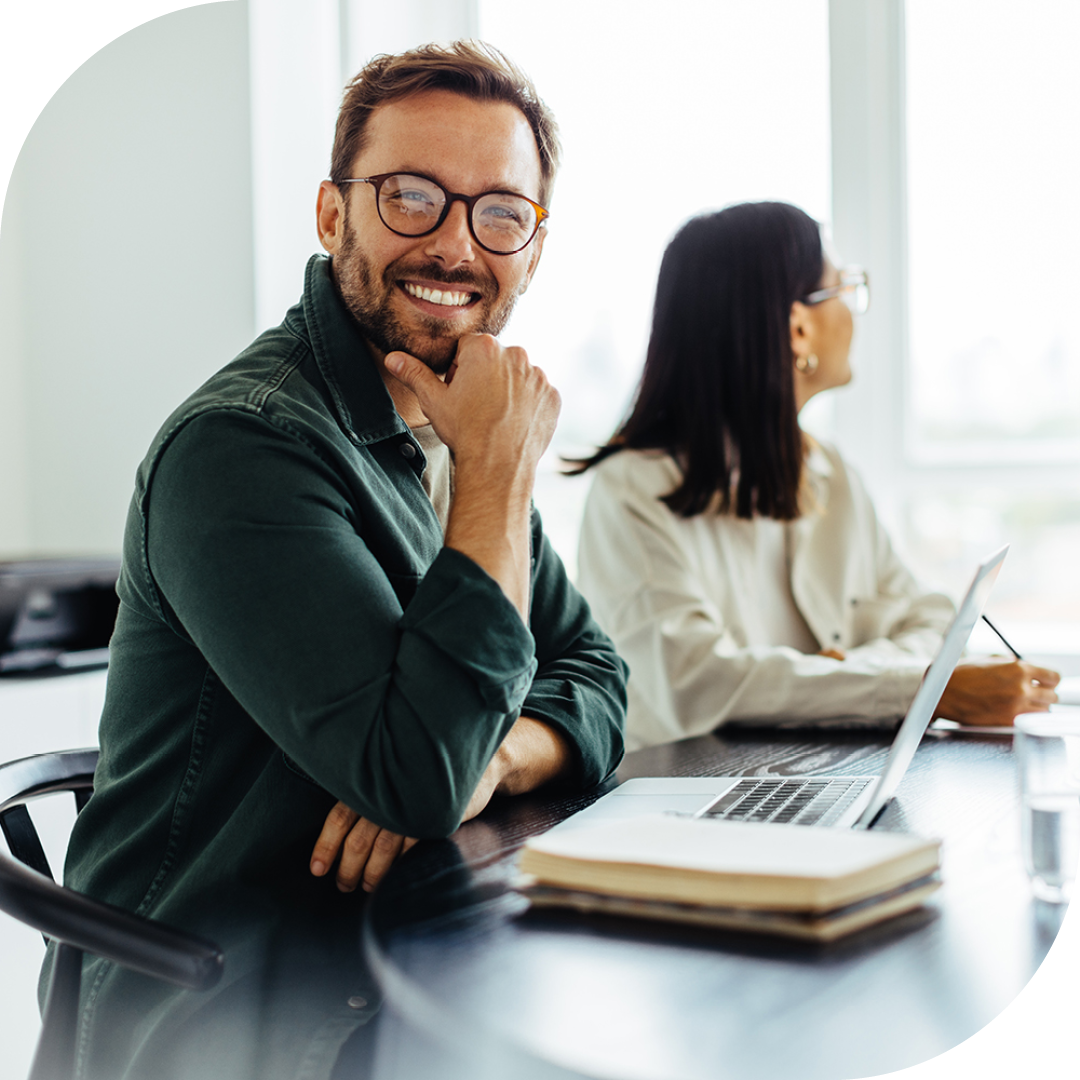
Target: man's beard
(370, 300)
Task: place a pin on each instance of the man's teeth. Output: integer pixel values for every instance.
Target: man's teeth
(437, 296)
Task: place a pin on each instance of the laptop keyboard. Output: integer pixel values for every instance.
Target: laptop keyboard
(818, 801)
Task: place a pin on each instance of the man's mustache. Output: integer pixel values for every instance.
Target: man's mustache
(486, 286)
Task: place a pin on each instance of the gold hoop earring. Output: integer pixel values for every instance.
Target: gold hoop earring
(807, 364)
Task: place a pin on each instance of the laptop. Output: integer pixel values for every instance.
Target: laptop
(838, 801)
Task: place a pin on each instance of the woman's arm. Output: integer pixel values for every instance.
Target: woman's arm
(644, 571)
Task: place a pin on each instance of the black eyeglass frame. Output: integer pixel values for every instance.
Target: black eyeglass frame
(451, 197)
(852, 277)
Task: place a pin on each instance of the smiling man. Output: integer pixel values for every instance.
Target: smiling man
(340, 620)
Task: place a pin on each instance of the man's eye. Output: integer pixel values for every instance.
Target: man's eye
(411, 201)
(501, 216)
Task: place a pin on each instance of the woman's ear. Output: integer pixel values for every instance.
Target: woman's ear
(800, 323)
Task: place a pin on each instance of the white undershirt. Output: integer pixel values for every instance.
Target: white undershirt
(438, 478)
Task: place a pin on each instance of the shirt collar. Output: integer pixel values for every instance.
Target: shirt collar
(817, 461)
(363, 405)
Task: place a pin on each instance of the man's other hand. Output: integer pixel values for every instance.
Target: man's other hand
(532, 754)
(992, 690)
(367, 850)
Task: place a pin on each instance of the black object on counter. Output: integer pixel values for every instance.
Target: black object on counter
(56, 613)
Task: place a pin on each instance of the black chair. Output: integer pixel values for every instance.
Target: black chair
(77, 923)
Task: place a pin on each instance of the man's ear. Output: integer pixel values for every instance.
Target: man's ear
(534, 258)
(330, 216)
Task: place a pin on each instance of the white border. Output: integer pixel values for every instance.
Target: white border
(42, 44)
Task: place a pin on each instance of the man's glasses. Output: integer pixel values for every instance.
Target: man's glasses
(854, 290)
(501, 222)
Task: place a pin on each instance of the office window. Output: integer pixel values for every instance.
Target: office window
(661, 117)
(993, 415)
(993, 115)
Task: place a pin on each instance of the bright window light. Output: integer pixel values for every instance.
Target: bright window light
(993, 424)
(993, 116)
(661, 117)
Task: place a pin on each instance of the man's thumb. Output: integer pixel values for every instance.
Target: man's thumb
(415, 374)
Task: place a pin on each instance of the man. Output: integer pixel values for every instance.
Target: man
(298, 627)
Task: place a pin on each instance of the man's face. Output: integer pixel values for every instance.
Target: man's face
(469, 147)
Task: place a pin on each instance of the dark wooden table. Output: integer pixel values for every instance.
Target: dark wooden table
(477, 986)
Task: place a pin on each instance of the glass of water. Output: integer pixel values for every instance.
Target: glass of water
(1048, 763)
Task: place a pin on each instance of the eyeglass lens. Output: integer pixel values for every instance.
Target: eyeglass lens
(412, 206)
(855, 291)
(857, 297)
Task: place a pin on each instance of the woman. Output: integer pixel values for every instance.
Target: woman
(738, 564)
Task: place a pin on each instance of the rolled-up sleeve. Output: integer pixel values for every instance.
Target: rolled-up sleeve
(580, 684)
(260, 559)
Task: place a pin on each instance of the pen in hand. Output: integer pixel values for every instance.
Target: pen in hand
(1002, 636)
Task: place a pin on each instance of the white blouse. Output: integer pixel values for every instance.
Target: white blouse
(721, 618)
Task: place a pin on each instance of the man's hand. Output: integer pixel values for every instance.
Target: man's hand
(493, 405)
(367, 851)
(992, 690)
(531, 754)
(497, 413)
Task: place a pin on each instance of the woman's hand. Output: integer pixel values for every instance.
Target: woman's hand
(992, 690)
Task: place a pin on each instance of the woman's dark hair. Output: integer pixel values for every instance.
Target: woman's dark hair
(718, 392)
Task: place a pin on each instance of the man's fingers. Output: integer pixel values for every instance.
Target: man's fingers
(355, 853)
(366, 849)
(415, 374)
(336, 827)
(384, 851)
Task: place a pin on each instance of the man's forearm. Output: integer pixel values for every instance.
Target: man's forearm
(497, 414)
(532, 754)
(489, 522)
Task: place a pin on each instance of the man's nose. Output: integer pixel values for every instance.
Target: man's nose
(452, 243)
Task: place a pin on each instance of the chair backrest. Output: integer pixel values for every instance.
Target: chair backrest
(31, 778)
(78, 923)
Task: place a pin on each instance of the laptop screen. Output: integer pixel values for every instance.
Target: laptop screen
(933, 685)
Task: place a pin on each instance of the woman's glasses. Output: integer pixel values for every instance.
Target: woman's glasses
(854, 290)
(501, 222)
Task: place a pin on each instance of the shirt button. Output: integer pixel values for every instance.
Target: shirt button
(836, 637)
(408, 451)
(357, 1002)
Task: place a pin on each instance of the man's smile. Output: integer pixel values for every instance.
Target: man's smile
(440, 296)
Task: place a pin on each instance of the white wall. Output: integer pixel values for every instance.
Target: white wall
(302, 54)
(14, 508)
(125, 270)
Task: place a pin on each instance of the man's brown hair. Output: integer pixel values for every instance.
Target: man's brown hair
(471, 68)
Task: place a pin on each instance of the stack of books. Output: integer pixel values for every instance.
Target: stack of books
(813, 883)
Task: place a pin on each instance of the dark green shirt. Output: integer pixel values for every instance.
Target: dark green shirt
(292, 631)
